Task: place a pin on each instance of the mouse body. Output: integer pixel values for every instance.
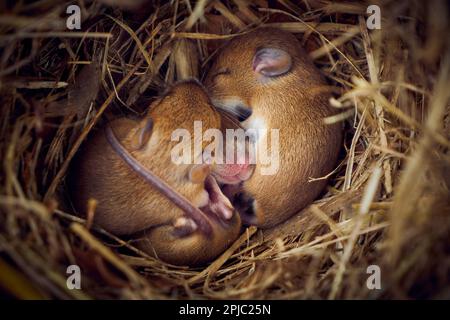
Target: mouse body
(129, 205)
(267, 81)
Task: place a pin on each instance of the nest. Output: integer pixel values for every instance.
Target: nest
(386, 205)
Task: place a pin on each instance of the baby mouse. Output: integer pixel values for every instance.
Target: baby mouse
(267, 81)
(116, 165)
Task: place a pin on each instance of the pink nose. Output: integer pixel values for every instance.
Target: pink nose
(232, 169)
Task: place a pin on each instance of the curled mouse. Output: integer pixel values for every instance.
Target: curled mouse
(190, 223)
(267, 81)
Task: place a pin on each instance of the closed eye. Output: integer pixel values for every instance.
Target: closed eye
(238, 111)
(224, 71)
(243, 113)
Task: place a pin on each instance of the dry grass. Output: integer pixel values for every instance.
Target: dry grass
(387, 202)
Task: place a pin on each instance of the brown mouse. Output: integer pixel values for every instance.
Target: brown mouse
(267, 80)
(129, 205)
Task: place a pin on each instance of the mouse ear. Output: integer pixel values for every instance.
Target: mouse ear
(271, 62)
(143, 134)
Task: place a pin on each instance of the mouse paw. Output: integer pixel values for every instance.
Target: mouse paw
(184, 226)
(219, 204)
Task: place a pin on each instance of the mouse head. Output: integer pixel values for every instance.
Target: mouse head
(175, 126)
(172, 132)
(179, 121)
(250, 65)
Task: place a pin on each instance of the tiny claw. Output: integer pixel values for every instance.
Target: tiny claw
(184, 226)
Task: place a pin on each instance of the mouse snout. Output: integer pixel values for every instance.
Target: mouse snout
(238, 162)
(243, 112)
